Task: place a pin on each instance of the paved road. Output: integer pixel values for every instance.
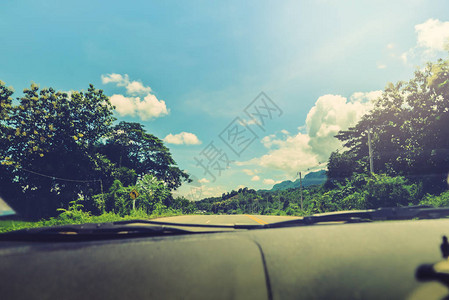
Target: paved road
(225, 219)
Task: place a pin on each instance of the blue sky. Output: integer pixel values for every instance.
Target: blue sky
(187, 69)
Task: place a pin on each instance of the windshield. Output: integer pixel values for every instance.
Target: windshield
(267, 111)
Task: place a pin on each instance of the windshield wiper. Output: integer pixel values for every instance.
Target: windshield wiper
(113, 230)
(233, 226)
(147, 228)
(91, 231)
(379, 214)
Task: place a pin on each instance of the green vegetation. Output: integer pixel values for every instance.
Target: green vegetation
(75, 215)
(360, 192)
(409, 128)
(56, 148)
(63, 159)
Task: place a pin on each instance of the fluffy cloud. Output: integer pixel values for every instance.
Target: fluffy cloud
(290, 154)
(147, 108)
(249, 172)
(269, 181)
(197, 193)
(125, 106)
(151, 107)
(255, 178)
(132, 87)
(432, 37)
(203, 180)
(115, 78)
(330, 114)
(136, 87)
(186, 138)
(139, 100)
(212, 191)
(433, 34)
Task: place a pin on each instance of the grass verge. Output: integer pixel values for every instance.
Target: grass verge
(79, 217)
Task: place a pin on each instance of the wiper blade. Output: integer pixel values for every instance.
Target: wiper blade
(90, 231)
(233, 226)
(380, 214)
(119, 229)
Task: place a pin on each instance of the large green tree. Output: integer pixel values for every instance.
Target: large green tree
(130, 146)
(56, 147)
(49, 150)
(8, 189)
(409, 126)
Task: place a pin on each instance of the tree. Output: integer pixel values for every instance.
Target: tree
(152, 191)
(341, 166)
(50, 150)
(8, 189)
(130, 146)
(410, 125)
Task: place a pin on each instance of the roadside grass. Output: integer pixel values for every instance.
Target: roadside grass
(69, 217)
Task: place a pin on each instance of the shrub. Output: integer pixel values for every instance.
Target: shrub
(436, 201)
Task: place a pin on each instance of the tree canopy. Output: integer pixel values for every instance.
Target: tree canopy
(129, 146)
(57, 146)
(409, 126)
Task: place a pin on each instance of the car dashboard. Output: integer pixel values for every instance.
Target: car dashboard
(375, 260)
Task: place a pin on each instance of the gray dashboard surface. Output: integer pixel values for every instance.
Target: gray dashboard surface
(209, 267)
(350, 261)
(353, 261)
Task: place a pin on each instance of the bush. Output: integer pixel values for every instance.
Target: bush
(436, 201)
(384, 191)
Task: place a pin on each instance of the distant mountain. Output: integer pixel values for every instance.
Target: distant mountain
(312, 178)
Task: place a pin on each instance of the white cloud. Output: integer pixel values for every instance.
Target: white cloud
(381, 66)
(125, 106)
(151, 107)
(292, 154)
(212, 191)
(137, 87)
(115, 78)
(404, 57)
(255, 178)
(186, 138)
(432, 37)
(203, 180)
(249, 172)
(269, 181)
(132, 87)
(330, 114)
(433, 34)
(198, 192)
(247, 122)
(366, 98)
(147, 108)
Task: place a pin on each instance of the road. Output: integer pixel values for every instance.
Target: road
(225, 219)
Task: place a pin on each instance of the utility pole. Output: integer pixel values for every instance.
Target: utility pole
(300, 187)
(370, 150)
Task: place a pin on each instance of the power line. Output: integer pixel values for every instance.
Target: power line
(59, 178)
(66, 179)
